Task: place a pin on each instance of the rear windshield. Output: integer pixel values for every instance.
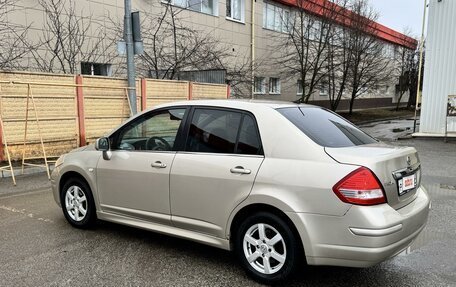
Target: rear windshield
(326, 128)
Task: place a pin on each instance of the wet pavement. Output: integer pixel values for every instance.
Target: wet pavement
(390, 130)
(39, 248)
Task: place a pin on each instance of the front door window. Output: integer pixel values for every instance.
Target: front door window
(151, 133)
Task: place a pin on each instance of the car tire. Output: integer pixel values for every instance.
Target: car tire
(269, 257)
(77, 203)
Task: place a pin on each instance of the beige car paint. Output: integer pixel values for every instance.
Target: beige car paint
(338, 245)
(204, 192)
(296, 176)
(129, 184)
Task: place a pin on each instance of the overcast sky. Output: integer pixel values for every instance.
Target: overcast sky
(398, 14)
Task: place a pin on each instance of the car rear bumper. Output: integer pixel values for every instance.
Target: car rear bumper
(365, 235)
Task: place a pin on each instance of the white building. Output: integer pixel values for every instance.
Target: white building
(439, 68)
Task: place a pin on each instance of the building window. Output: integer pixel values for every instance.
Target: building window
(315, 30)
(96, 69)
(203, 6)
(274, 86)
(235, 10)
(299, 93)
(386, 89)
(390, 51)
(324, 91)
(275, 18)
(259, 85)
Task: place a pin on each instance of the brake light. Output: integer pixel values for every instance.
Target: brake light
(360, 187)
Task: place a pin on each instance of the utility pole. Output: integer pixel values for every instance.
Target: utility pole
(128, 38)
(418, 92)
(252, 51)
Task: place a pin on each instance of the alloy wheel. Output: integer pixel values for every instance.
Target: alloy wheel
(76, 203)
(264, 248)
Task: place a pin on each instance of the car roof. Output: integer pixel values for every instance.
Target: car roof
(248, 104)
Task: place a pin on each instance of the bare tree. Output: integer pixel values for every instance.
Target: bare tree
(406, 61)
(303, 49)
(13, 46)
(172, 46)
(414, 64)
(66, 38)
(339, 59)
(238, 68)
(368, 67)
(339, 63)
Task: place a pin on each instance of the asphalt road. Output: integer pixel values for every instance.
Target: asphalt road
(39, 248)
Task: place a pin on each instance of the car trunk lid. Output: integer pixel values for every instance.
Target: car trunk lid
(395, 167)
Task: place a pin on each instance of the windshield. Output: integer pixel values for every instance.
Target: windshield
(326, 128)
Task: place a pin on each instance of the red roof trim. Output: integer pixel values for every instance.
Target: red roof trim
(318, 7)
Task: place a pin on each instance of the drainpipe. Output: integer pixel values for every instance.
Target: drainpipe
(252, 49)
(128, 37)
(418, 92)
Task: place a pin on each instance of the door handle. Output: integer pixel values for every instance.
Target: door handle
(158, 164)
(240, 170)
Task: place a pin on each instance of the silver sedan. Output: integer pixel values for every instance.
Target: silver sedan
(277, 183)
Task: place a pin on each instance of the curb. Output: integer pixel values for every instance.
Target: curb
(22, 192)
(27, 171)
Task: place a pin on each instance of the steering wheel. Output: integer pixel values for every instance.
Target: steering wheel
(162, 144)
(126, 146)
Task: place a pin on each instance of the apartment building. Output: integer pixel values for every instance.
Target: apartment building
(247, 29)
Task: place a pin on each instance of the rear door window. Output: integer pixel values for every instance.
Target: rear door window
(326, 128)
(223, 131)
(213, 131)
(249, 140)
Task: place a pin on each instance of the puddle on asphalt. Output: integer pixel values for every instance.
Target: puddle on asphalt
(449, 187)
(426, 235)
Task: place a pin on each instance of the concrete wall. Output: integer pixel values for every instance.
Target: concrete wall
(73, 110)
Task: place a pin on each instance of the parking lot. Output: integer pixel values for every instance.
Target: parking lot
(39, 248)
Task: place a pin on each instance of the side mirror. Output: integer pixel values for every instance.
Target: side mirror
(102, 144)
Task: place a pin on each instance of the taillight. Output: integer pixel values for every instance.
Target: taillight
(360, 187)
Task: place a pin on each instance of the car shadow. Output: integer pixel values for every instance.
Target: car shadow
(224, 264)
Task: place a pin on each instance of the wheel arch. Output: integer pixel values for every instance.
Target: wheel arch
(75, 174)
(91, 208)
(71, 174)
(253, 208)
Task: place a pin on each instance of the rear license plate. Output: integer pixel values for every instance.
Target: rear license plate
(407, 183)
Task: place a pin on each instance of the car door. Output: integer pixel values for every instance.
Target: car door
(216, 171)
(135, 180)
